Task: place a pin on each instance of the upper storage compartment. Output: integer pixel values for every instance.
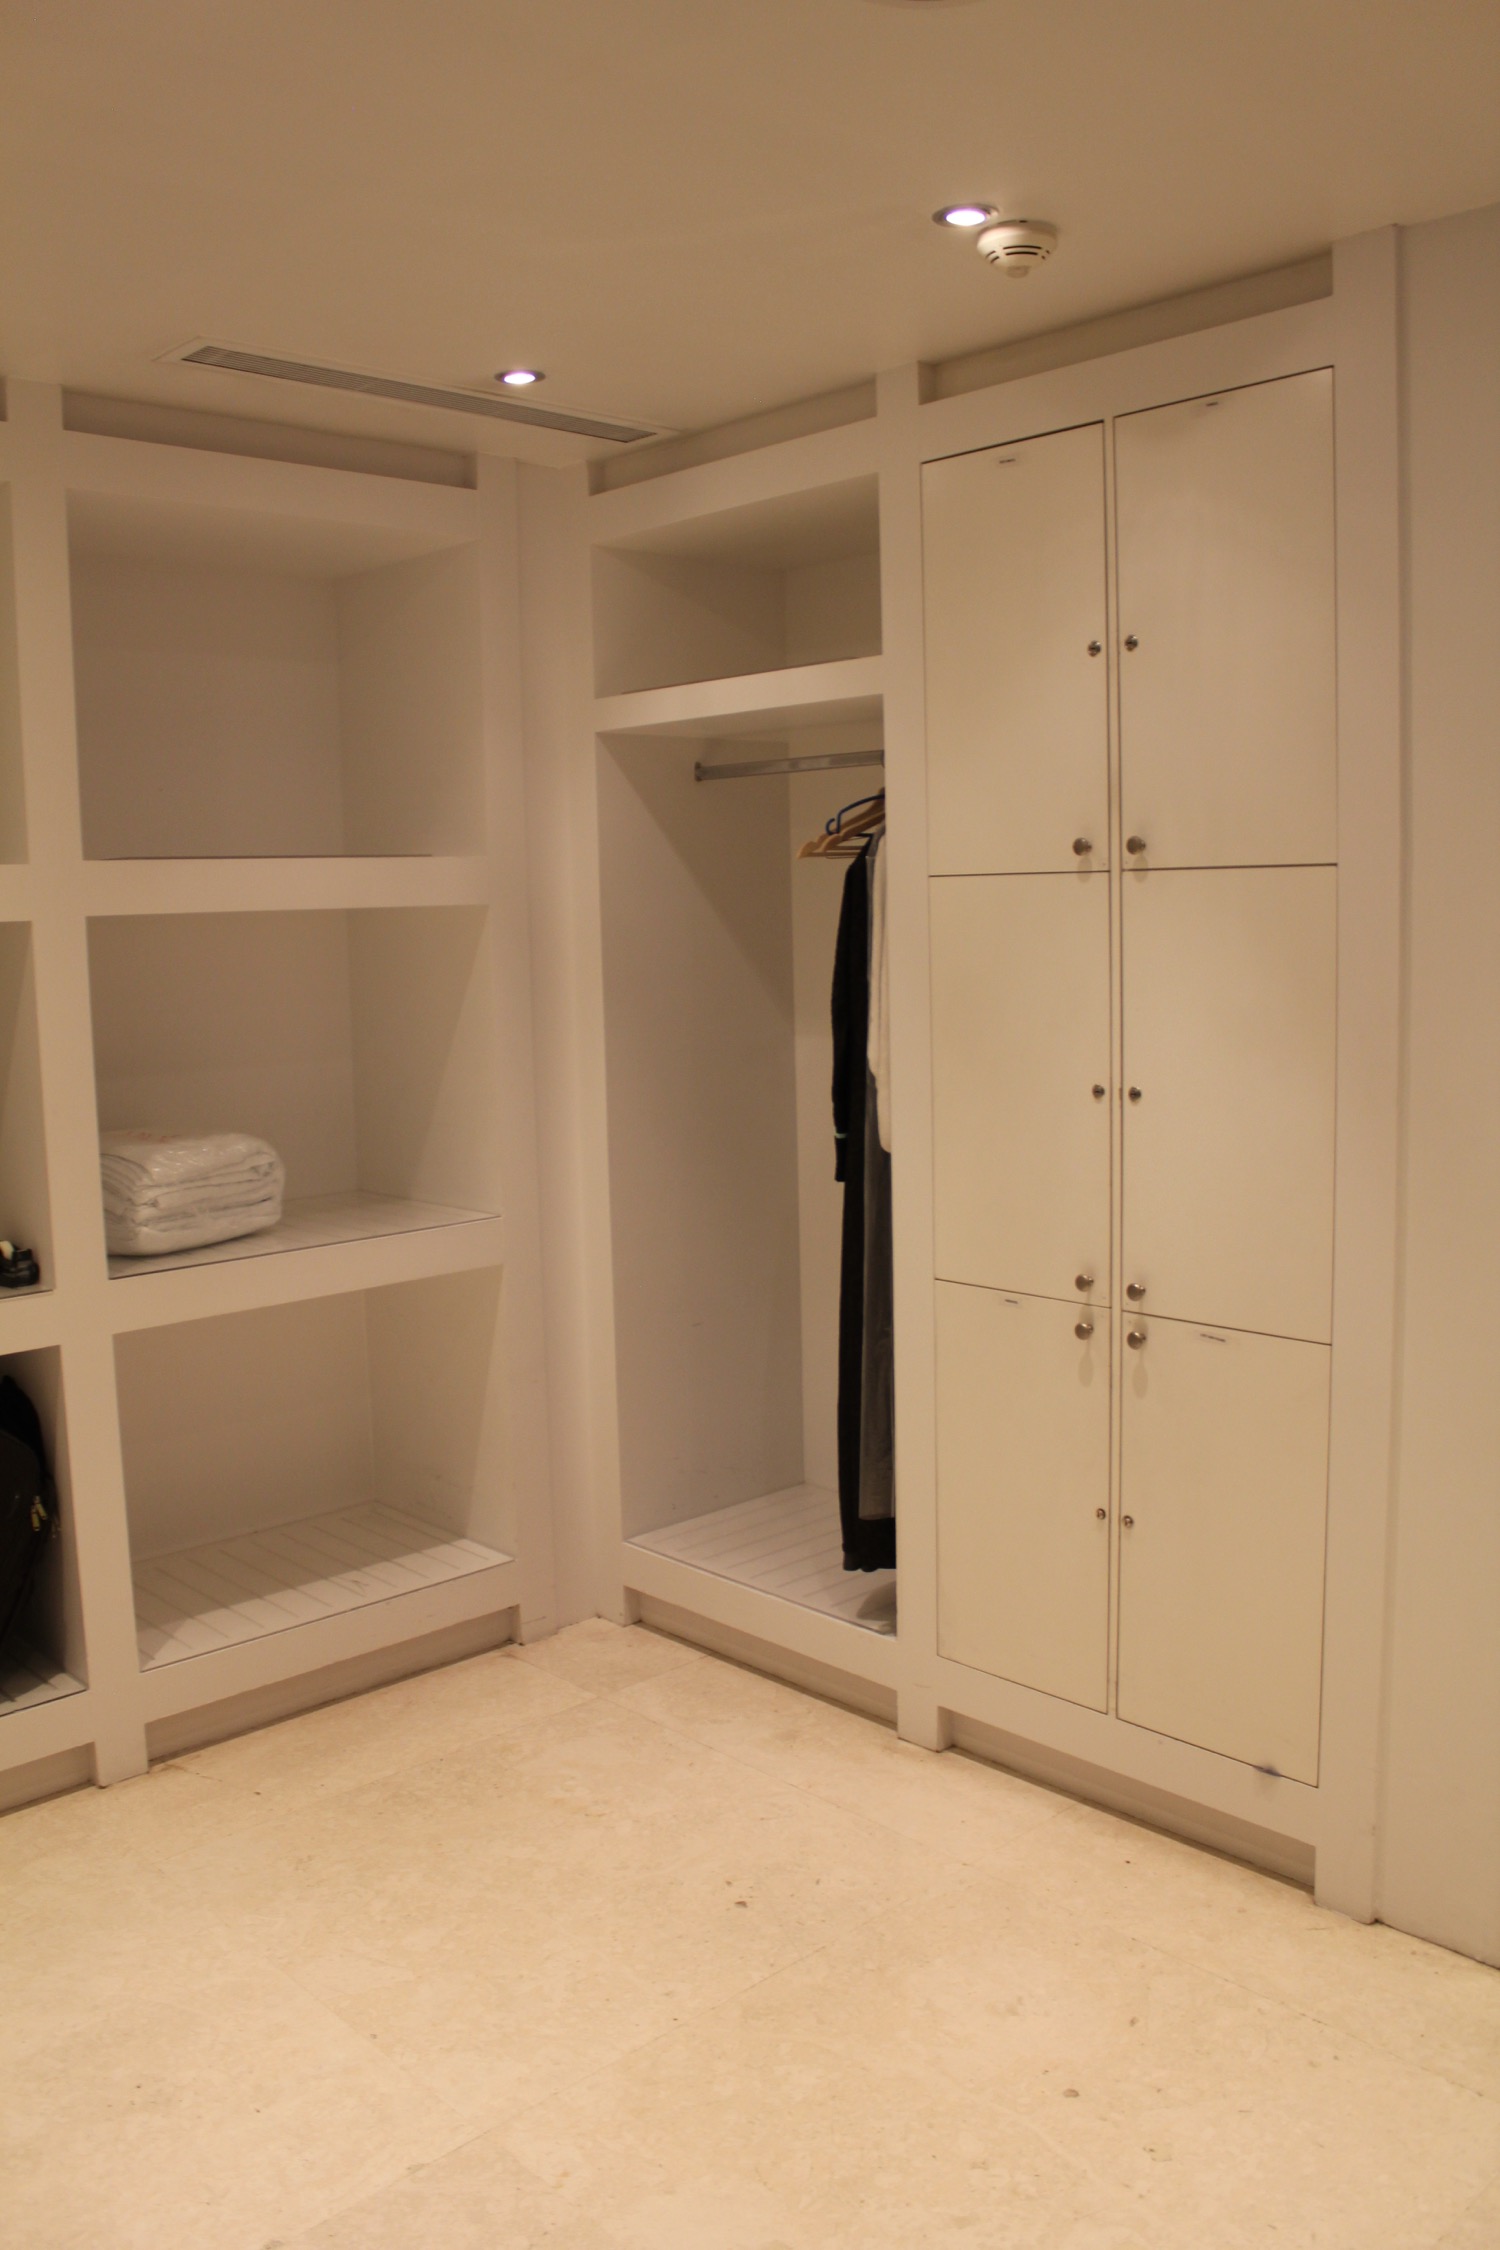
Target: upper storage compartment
(259, 685)
(783, 582)
(1228, 702)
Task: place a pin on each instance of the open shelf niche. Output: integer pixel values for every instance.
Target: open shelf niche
(253, 686)
(718, 961)
(782, 582)
(46, 1658)
(360, 1044)
(285, 1465)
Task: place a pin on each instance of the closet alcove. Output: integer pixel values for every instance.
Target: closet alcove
(272, 686)
(718, 958)
(360, 1044)
(784, 582)
(288, 1464)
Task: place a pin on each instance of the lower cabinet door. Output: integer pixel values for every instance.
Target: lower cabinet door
(1023, 1489)
(1223, 1495)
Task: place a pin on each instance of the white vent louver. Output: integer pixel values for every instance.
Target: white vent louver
(495, 408)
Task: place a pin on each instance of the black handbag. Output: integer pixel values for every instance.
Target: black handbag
(28, 1503)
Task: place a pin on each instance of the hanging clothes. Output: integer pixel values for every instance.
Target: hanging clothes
(880, 993)
(866, 1420)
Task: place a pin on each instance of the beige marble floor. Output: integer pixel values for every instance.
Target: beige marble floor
(605, 1945)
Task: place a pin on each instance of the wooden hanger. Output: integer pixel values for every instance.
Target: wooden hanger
(849, 830)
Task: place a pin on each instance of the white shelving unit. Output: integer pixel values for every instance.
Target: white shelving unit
(262, 866)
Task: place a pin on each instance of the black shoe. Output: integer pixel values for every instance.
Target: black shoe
(18, 1268)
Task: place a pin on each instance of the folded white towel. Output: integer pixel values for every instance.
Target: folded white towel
(165, 1191)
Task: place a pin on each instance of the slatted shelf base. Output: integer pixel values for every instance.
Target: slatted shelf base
(28, 1678)
(207, 1598)
(784, 1543)
(308, 1222)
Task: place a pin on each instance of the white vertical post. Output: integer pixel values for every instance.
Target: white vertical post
(1366, 301)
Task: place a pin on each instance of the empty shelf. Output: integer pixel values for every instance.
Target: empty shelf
(210, 1597)
(308, 1222)
(785, 1543)
(27, 1678)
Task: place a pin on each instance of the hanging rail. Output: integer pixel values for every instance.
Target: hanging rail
(755, 766)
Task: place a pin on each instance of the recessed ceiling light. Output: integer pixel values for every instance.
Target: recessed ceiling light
(965, 215)
(521, 378)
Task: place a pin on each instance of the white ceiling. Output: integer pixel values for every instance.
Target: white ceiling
(685, 210)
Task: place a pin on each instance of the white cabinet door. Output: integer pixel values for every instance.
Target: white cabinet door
(1225, 541)
(1017, 706)
(1229, 1026)
(1020, 1031)
(1223, 1495)
(1023, 1490)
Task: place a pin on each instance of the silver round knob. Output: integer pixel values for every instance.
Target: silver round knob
(1100, 1092)
(1083, 1329)
(1135, 1093)
(1128, 1522)
(1082, 846)
(1137, 1339)
(1135, 1291)
(1135, 845)
(1131, 641)
(1096, 648)
(1083, 1283)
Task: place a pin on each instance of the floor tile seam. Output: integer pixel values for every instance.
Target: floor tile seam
(368, 2194)
(1283, 2006)
(417, 2087)
(819, 1797)
(691, 2021)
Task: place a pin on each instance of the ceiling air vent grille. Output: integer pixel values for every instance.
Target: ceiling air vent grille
(412, 394)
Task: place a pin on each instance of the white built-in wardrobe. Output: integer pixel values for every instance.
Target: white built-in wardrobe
(1134, 951)
(1120, 630)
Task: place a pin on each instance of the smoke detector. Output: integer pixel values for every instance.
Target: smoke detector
(1016, 245)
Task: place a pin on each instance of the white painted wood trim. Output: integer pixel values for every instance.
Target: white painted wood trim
(1362, 1442)
(174, 1688)
(827, 1640)
(234, 1285)
(1247, 351)
(802, 694)
(741, 480)
(134, 469)
(42, 1730)
(279, 886)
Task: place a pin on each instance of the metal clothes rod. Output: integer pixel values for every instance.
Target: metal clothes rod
(755, 766)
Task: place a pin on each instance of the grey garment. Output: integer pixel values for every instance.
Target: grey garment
(877, 1417)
